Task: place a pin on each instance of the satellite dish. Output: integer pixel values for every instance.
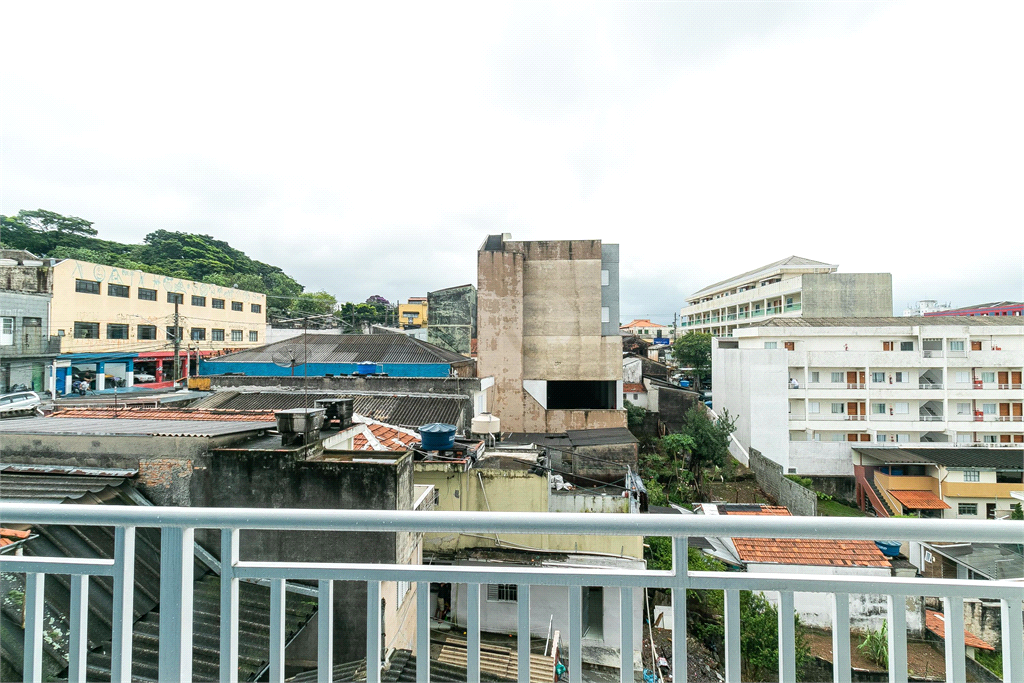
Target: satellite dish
(289, 357)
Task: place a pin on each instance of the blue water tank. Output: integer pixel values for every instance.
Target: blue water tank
(684, 383)
(437, 437)
(366, 368)
(889, 548)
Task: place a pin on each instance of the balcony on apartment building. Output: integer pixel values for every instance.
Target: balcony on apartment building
(177, 599)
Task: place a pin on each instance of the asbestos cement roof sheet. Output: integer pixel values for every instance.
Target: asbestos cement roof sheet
(406, 410)
(600, 437)
(126, 427)
(349, 348)
(906, 321)
(967, 456)
(167, 414)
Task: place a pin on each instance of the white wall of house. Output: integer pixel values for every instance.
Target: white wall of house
(547, 603)
(867, 612)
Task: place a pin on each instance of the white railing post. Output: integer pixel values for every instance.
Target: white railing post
(176, 571)
(78, 639)
(575, 634)
(787, 637)
(373, 641)
(681, 569)
(423, 612)
(123, 617)
(278, 595)
(733, 667)
(956, 654)
(325, 632)
(33, 662)
(898, 672)
(1013, 635)
(625, 635)
(842, 668)
(473, 633)
(523, 636)
(228, 606)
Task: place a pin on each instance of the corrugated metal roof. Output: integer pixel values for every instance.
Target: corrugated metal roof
(1000, 458)
(404, 410)
(167, 414)
(98, 543)
(124, 427)
(907, 321)
(349, 348)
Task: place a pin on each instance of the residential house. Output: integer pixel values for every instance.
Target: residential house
(320, 355)
(27, 349)
(548, 333)
(635, 393)
(793, 287)
(414, 311)
(805, 390)
(203, 458)
(811, 556)
(947, 483)
(647, 330)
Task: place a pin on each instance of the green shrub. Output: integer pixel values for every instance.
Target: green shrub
(875, 646)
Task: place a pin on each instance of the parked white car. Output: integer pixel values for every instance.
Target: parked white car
(144, 377)
(19, 403)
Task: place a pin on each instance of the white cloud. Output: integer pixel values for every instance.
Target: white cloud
(369, 149)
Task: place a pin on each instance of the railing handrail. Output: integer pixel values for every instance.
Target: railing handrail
(956, 530)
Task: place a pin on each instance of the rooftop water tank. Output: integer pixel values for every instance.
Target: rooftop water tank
(437, 437)
(485, 423)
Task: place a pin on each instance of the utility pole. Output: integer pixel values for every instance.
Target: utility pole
(177, 345)
(675, 321)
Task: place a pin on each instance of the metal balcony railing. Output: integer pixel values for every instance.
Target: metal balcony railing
(177, 527)
(929, 385)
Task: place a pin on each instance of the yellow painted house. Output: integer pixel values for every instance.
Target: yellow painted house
(414, 311)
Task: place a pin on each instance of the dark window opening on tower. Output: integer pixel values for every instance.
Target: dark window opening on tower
(595, 395)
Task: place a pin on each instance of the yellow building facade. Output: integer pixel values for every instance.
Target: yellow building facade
(99, 308)
(414, 311)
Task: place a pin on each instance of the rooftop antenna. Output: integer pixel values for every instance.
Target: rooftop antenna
(291, 355)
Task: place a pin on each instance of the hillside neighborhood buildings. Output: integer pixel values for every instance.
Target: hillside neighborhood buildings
(806, 390)
(793, 287)
(27, 345)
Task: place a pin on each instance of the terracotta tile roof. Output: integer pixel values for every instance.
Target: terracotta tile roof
(163, 414)
(641, 323)
(936, 623)
(919, 500)
(632, 388)
(384, 437)
(10, 536)
(806, 551)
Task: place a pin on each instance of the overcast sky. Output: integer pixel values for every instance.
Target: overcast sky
(368, 149)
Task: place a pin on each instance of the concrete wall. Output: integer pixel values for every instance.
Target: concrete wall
(752, 385)
(822, 458)
(846, 295)
(549, 604)
(507, 490)
(610, 292)
(799, 500)
(70, 306)
(605, 462)
(867, 612)
(539, 317)
(452, 318)
(672, 405)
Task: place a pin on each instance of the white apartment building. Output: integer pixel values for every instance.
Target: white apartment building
(791, 288)
(805, 390)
